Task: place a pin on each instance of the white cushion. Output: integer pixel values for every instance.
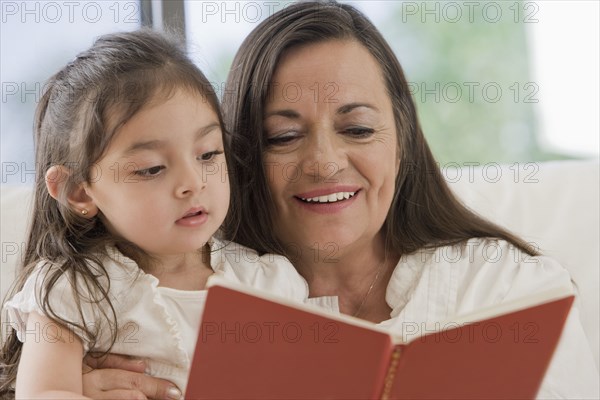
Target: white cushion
(554, 205)
(15, 204)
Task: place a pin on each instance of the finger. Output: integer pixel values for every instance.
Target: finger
(114, 361)
(120, 395)
(112, 379)
(94, 384)
(154, 388)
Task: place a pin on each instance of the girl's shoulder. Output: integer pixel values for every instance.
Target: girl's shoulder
(270, 272)
(57, 276)
(81, 296)
(57, 281)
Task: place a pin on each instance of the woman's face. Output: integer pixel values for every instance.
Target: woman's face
(332, 154)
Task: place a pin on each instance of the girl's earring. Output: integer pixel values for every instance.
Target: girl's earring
(84, 212)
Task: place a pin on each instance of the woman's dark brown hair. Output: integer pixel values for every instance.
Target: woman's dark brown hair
(82, 108)
(424, 213)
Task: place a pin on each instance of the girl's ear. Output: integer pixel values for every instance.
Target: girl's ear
(77, 198)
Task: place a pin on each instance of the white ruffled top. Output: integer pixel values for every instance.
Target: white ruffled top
(157, 323)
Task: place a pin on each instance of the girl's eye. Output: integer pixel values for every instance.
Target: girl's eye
(150, 172)
(210, 155)
(359, 132)
(282, 139)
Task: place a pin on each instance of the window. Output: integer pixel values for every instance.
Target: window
(492, 80)
(37, 39)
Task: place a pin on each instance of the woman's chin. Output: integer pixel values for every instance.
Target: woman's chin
(325, 245)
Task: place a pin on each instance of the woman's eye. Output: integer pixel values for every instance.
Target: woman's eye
(282, 139)
(359, 132)
(210, 155)
(150, 172)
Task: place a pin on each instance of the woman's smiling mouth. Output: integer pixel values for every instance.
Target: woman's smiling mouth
(330, 198)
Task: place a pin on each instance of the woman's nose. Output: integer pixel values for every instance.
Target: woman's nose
(323, 156)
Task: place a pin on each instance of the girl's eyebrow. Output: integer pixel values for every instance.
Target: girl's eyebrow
(147, 145)
(156, 144)
(207, 129)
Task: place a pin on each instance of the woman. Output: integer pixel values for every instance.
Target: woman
(332, 170)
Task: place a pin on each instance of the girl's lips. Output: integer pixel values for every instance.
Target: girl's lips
(193, 217)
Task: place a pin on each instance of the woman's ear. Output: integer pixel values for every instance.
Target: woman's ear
(77, 198)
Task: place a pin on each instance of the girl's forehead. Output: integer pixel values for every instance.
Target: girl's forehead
(178, 118)
(119, 113)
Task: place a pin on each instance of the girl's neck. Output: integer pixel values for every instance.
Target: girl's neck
(188, 271)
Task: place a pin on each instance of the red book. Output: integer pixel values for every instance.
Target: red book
(255, 346)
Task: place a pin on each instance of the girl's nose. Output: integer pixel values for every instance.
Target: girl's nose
(190, 180)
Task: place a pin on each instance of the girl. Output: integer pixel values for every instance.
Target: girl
(129, 145)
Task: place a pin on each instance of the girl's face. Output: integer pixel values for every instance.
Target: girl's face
(332, 155)
(162, 183)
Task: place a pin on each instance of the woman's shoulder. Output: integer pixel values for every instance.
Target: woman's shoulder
(490, 262)
(488, 256)
(270, 272)
(478, 272)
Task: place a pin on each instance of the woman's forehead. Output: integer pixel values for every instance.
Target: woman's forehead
(335, 71)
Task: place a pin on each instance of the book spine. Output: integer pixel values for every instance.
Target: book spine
(391, 373)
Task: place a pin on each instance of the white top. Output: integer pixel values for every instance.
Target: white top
(432, 286)
(425, 287)
(156, 323)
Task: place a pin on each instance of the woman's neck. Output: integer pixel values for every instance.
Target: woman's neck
(357, 274)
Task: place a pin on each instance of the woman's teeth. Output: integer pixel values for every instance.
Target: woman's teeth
(330, 198)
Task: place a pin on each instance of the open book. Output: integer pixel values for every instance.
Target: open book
(255, 346)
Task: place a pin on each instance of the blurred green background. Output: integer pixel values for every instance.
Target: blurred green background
(471, 79)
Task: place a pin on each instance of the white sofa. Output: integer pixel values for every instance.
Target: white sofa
(554, 205)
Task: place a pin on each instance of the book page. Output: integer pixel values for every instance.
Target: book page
(253, 347)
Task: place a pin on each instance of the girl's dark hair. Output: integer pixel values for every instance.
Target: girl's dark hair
(424, 212)
(82, 108)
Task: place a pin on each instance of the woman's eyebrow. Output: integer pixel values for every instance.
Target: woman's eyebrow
(287, 113)
(346, 108)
